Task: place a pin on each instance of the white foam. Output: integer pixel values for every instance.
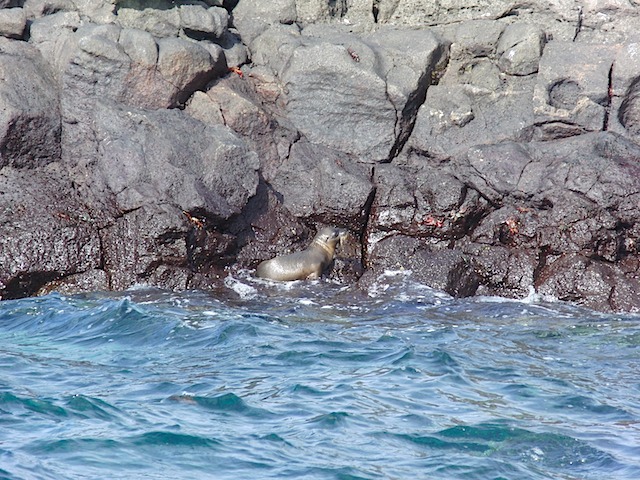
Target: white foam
(399, 285)
(306, 301)
(396, 273)
(274, 283)
(245, 291)
(535, 297)
(532, 298)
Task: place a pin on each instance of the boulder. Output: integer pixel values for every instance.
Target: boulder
(54, 36)
(30, 115)
(11, 3)
(254, 17)
(353, 115)
(168, 181)
(370, 111)
(476, 38)
(420, 199)
(502, 219)
(456, 117)
(449, 269)
(565, 199)
(168, 19)
(41, 8)
(13, 22)
(234, 103)
(139, 46)
(150, 157)
(520, 48)
(323, 185)
(186, 66)
(160, 18)
(580, 280)
(198, 22)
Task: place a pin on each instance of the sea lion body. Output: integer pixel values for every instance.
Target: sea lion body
(309, 263)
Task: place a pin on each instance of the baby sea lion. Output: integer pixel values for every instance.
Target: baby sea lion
(309, 263)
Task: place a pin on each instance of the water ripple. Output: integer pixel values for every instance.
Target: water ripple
(316, 381)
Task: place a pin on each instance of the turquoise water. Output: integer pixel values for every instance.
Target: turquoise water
(316, 381)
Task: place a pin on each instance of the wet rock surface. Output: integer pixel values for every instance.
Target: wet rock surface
(488, 147)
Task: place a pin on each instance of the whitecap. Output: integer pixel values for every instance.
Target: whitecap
(244, 290)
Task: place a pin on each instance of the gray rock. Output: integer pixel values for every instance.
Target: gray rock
(198, 22)
(220, 18)
(46, 230)
(93, 65)
(147, 168)
(418, 13)
(231, 102)
(624, 115)
(148, 157)
(520, 48)
(505, 271)
(266, 229)
(99, 12)
(141, 242)
(483, 77)
(381, 81)
(573, 85)
(160, 22)
(317, 183)
(235, 52)
(89, 281)
(409, 61)
(41, 8)
(477, 38)
(13, 22)
(139, 46)
(252, 18)
(30, 114)
(625, 67)
(421, 127)
(120, 64)
(446, 111)
(448, 270)
(422, 199)
(563, 198)
(353, 115)
(275, 46)
(609, 22)
(205, 109)
(579, 280)
(186, 66)
(456, 117)
(500, 223)
(628, 112)
(49, 27)
(11, 3)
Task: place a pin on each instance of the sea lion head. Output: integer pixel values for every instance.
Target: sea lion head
(328, 237)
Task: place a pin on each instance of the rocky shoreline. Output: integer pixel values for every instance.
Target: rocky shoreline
(487, 146)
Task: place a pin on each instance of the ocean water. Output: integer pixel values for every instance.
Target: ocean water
(314, 380)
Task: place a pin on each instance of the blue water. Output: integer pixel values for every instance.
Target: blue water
(316, 381)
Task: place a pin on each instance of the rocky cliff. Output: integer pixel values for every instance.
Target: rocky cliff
(487, 146)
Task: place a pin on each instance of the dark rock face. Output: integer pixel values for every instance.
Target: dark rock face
(47, 232)
(487, 147)
(30, 115)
